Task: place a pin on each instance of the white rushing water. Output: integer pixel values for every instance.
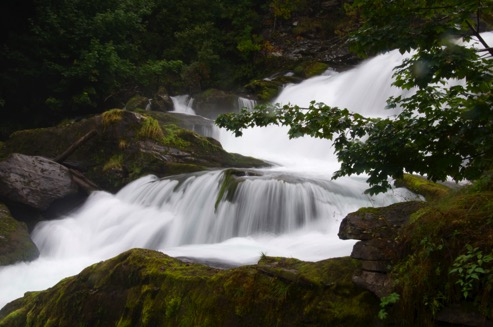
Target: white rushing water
(291, 210)
(183, 104)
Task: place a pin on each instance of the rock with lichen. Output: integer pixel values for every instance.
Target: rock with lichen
(147, 288)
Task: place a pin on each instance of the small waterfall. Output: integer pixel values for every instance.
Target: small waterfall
(246, 103)
(183, 104)
(149, 104)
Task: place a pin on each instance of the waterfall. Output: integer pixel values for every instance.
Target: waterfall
(292, 209)
(183, 104)
(246, 103)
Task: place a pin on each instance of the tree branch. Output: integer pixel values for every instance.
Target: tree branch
(480, 39)
(75, 146)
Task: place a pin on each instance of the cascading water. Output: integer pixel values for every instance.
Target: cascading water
(290, 210)
(246, 103)
(183, 104)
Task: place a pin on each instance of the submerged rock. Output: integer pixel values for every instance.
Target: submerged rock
(147, 288)
(15, 243)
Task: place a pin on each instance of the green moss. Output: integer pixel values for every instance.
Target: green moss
(263, 89)
(15, 242)
(422, 186)
(137, 103)
(150, 129)
(311, 69)
(428, 248)
(112, 116)
(229, 184)
(172, 137)
(147, 288)
(115, 162)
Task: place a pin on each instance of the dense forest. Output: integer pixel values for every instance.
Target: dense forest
(68, 58)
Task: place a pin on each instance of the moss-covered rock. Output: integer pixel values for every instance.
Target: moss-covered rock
(419, 185)
(454, 232)
(310, 69)
(127, 145)
(148, 288)
(137, 102)
(15, 243)
(267, 89)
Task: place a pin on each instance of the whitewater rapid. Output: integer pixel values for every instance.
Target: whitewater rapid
(292, 209)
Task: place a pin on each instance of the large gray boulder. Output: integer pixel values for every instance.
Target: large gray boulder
(34, 181)
(15, 243)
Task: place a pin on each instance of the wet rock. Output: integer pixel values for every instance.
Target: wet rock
(34, 181)
(373, 223)
(376, 228)
(15, 242)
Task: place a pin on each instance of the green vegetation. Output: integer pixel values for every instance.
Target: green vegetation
(15, 242)
(150, 129)
(70, 58)
(441, 131)
(422, 186)
(384, 302)
(471, 269)
(444, 257)
(111, 116)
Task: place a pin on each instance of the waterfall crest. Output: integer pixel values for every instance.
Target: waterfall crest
(195, 209)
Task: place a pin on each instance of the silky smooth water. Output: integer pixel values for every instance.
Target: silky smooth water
(292, 209)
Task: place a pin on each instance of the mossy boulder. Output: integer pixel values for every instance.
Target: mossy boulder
(137, 102)
(147, 288)
(310, 69)
(15, 242)
(422, 186)
(453, 232)
(267, 89)
(377, 223)
(127, 145)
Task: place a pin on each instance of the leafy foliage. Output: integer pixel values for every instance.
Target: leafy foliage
(443, 126)
(471, 268)
(66, 58)
(384, 302)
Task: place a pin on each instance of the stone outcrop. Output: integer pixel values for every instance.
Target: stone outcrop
(147, 288)
(34, 181)
(15, 243)
(128, 145)
(376, 228)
